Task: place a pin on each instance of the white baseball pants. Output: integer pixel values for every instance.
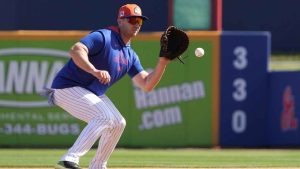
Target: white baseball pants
(103, 119)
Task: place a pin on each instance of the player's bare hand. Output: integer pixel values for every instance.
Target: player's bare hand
(102, 75)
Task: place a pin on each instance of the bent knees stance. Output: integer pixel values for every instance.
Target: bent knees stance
(109, 124)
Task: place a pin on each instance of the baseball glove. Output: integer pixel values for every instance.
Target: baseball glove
(173, 43)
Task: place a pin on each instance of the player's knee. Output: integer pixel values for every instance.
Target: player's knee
(123, 123)
(120, 124)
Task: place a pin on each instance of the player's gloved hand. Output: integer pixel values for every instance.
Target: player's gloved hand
(173, 43)
(102, 75)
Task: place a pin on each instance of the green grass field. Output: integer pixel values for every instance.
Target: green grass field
(166, 158)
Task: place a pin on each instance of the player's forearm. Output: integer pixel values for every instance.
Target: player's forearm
(80, 58)
(154, 77)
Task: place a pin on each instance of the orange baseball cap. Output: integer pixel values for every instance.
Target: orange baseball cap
(131, 10)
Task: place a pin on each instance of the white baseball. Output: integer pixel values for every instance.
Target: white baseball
(199, 52)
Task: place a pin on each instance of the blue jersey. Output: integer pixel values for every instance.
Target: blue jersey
(107, 51)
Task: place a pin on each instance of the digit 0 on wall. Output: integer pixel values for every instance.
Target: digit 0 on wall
(244, 79)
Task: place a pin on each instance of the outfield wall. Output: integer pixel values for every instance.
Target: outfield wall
(220, 99)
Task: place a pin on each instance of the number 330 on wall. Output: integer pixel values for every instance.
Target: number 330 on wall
(244, 60)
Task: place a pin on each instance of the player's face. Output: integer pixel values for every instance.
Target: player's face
(131, 26)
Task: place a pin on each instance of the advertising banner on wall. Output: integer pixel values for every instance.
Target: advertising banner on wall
(283, 117)
(181, 111)
(26, 67)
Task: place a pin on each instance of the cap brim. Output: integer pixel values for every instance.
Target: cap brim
(141, 16)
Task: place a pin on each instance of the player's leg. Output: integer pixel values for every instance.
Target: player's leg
(88, 107)
(109, 138)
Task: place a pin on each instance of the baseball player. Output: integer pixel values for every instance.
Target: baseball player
(97, 61)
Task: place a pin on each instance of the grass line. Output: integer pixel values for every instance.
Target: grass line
(176, 158)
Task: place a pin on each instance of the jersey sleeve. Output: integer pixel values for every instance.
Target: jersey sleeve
(136, 66)
(94, 42)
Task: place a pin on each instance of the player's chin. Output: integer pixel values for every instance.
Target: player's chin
(135, 32)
